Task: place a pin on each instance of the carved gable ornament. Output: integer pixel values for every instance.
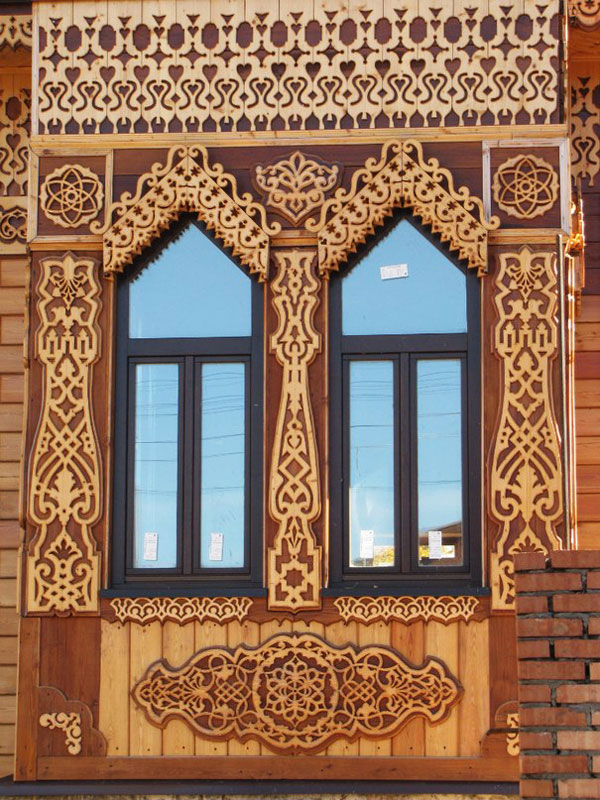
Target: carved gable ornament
(187, 182)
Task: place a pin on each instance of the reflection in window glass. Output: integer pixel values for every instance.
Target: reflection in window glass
(371, 464)
(155, 467)
(190, 291)
(431, 296)
(223, 465)
(439, 443)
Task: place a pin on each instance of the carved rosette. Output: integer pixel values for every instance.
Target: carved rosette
(296, 693)
(71, 195)
(63, 567)
(143, 610)
(525, 464)
(525, 186)
(294, 559)
(406, 609)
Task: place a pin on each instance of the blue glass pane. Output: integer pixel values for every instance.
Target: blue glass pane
(223, 465)
(155, 468)
(191, 290)
(439, 442)
(371, 464)
(429, 298)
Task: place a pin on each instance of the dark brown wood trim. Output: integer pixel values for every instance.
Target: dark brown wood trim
(27, 699)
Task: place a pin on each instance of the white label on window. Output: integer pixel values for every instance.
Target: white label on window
(435, 544)
(367, 544)
(215, 551)
(150, 546)
(393, 271)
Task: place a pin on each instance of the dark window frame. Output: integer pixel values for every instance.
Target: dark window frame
(404, 350)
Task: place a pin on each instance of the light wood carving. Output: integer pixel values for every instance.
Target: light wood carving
(13, 223)
(70, 724)
(585, 13)
(402, 178)
(15, 120)
(71, 195)
(294, 559)
(63, 567)
(187, 182)
(525, 186)
(15, 31)
(234, 67)
(296, 693)
(296, 186)
(406, 609)
(525, 465)
(585, 118)
(512, 738)
(143, 610)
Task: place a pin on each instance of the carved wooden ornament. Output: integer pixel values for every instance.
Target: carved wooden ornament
(15, 31)
(406, 609)
(585, 13)
(71, 195)
(525, 472)
(70, 724)
(63, 567)
(187, 182)
(143, 610)
(584, 118)
(13, 224)
(525, 186)
(296, 693)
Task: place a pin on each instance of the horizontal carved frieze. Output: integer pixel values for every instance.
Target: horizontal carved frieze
(143, 610)
(406, 609)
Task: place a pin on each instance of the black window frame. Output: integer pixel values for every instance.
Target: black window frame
(404, 350)
(188, 578)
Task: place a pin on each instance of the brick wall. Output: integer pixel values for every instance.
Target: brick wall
(558, 630)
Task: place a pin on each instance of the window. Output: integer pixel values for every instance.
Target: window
(188, 422)
(405, 445)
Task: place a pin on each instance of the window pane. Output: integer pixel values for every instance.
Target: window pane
(439, 434)
(430, 298)
(192, 289)
(223, 465)
(155, 468)
(371, 464)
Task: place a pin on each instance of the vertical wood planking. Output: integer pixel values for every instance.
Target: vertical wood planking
(114, 687)
(177, 648)
(145, 646)
(474, 674)
(247, 633)
(442, 641)
(409, 641)
(377, 633)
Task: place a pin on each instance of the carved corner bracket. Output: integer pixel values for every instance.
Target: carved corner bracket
(74, 719)
(402, 178)
(187, 182)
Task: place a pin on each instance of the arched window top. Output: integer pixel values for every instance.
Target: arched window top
(404, 285)
(191, 290)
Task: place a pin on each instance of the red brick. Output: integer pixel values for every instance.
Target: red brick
(526, 561)
(533, 648)
(577, 648)
(548, 582)
(534, 693)
(596, 764)
(595, 717)
(575, 559)
(578, 740)
(577, 602)
(533, 788)
(536, 741)
(546, 626)
(551, 670)
(528, 604)
(557, 765)
(595, 672)
(593, 580)
(585, 788)
(551, 718)
(578, 693)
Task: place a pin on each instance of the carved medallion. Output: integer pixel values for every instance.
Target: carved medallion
(296, 186)
(525, 186)
(295, 693)
(406, 609)
(71, 196)
(143, 610)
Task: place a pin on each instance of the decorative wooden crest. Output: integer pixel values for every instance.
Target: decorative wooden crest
(187, 182)
(143, 610)
(402, 178)
(296, 693)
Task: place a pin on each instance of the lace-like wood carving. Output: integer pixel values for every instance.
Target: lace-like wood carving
(296, 693)
(525, 186)
(512, 739)
(71, 195)
(13, 223)
(70, 724)
(585, 117)
(143, 610)
(15, 106)
(294, 559)
(15, 31)
(187, 182)
(296, 186)
(402, 178)
(406, 609)
(63, 567)
(525, 472)
(585, 13)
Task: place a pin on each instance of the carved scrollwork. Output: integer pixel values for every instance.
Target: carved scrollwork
(143, 610)
(525, 186)
(512, 739)
(406, 609)
(525, 471)
(294, 559)
(13, 225)
(64, 494)
(71, 717)
(70, 724)
(15, 31)
(187, 182)
(71, 196)
(584, 117)
(585, 13)
(296, 693)
(15, 120)
(402, 178)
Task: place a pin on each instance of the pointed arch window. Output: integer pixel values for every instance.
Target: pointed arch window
(188, 420)
(405, 375)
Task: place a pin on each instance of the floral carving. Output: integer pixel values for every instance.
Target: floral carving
(71, 196)
(70, 724)
(406, 609)
(295, 693)
(143, 610)
(296, 186)
(525, 186)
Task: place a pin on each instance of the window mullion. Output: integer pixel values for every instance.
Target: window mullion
(402, 496)
(188, 460)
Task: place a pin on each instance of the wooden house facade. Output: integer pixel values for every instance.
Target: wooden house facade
(298, 291)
